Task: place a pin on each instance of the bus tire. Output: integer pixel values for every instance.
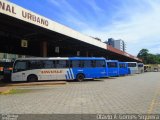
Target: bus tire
(32, 78)
(80, 77)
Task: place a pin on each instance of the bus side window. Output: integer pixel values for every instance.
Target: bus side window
(81, 64)
(87, 64)
(35, 64)
(49, 64)
(100, 63)
(93, 63)
(62, 64)
(75, 64)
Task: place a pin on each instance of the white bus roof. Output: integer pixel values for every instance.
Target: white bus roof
(61, 58)
(44, 58)
(131, 62)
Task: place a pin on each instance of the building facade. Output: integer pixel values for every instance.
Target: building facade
(118, 44)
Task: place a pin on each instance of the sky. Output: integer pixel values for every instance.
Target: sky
(137, 22)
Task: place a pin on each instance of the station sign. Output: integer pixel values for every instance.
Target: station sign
(24, 43)
(13, 10)
(78, 53)
(57, 49)
(26, 15)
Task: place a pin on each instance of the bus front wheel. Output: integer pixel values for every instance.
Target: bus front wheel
(80, 77)
(32, 78)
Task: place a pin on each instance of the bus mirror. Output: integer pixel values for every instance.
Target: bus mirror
(15, 70)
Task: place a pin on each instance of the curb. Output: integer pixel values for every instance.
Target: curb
(34, 84)
(5, 90)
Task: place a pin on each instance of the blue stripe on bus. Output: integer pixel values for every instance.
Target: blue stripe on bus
(68, 75)
(72, 73)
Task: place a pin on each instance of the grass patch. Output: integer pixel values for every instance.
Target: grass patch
(15, 91)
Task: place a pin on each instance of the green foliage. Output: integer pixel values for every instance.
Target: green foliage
(148, 58)
(143, 52)
(15, 91)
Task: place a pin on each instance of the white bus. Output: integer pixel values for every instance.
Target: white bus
(133, 67)
(79, 68)
(140, 68)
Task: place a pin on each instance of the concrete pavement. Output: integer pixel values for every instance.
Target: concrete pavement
(139, 93)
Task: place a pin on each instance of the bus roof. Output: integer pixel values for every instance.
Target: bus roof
(62, 58)
(140, 63)
(42, 58)
(131, 62)
(122, 62)
(86, 58)
(111, 60)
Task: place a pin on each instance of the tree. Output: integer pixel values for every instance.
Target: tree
(143, 54)
(148, 58)
(151, 59)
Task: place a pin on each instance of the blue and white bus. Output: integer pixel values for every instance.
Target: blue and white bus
(123, 68)
(72, 68)
(132, 67)
(112, 66)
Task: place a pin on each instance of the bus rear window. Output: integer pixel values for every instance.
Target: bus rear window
(132, 64)
(122, 66)
(140, 65)
(112, 64)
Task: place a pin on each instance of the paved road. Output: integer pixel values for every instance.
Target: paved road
(139, 93)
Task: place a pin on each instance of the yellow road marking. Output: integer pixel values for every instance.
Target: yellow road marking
(154, 101)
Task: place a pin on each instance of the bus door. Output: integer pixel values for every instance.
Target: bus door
(84, 67)
(75, 67)
(100, 69)
(88, 69)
